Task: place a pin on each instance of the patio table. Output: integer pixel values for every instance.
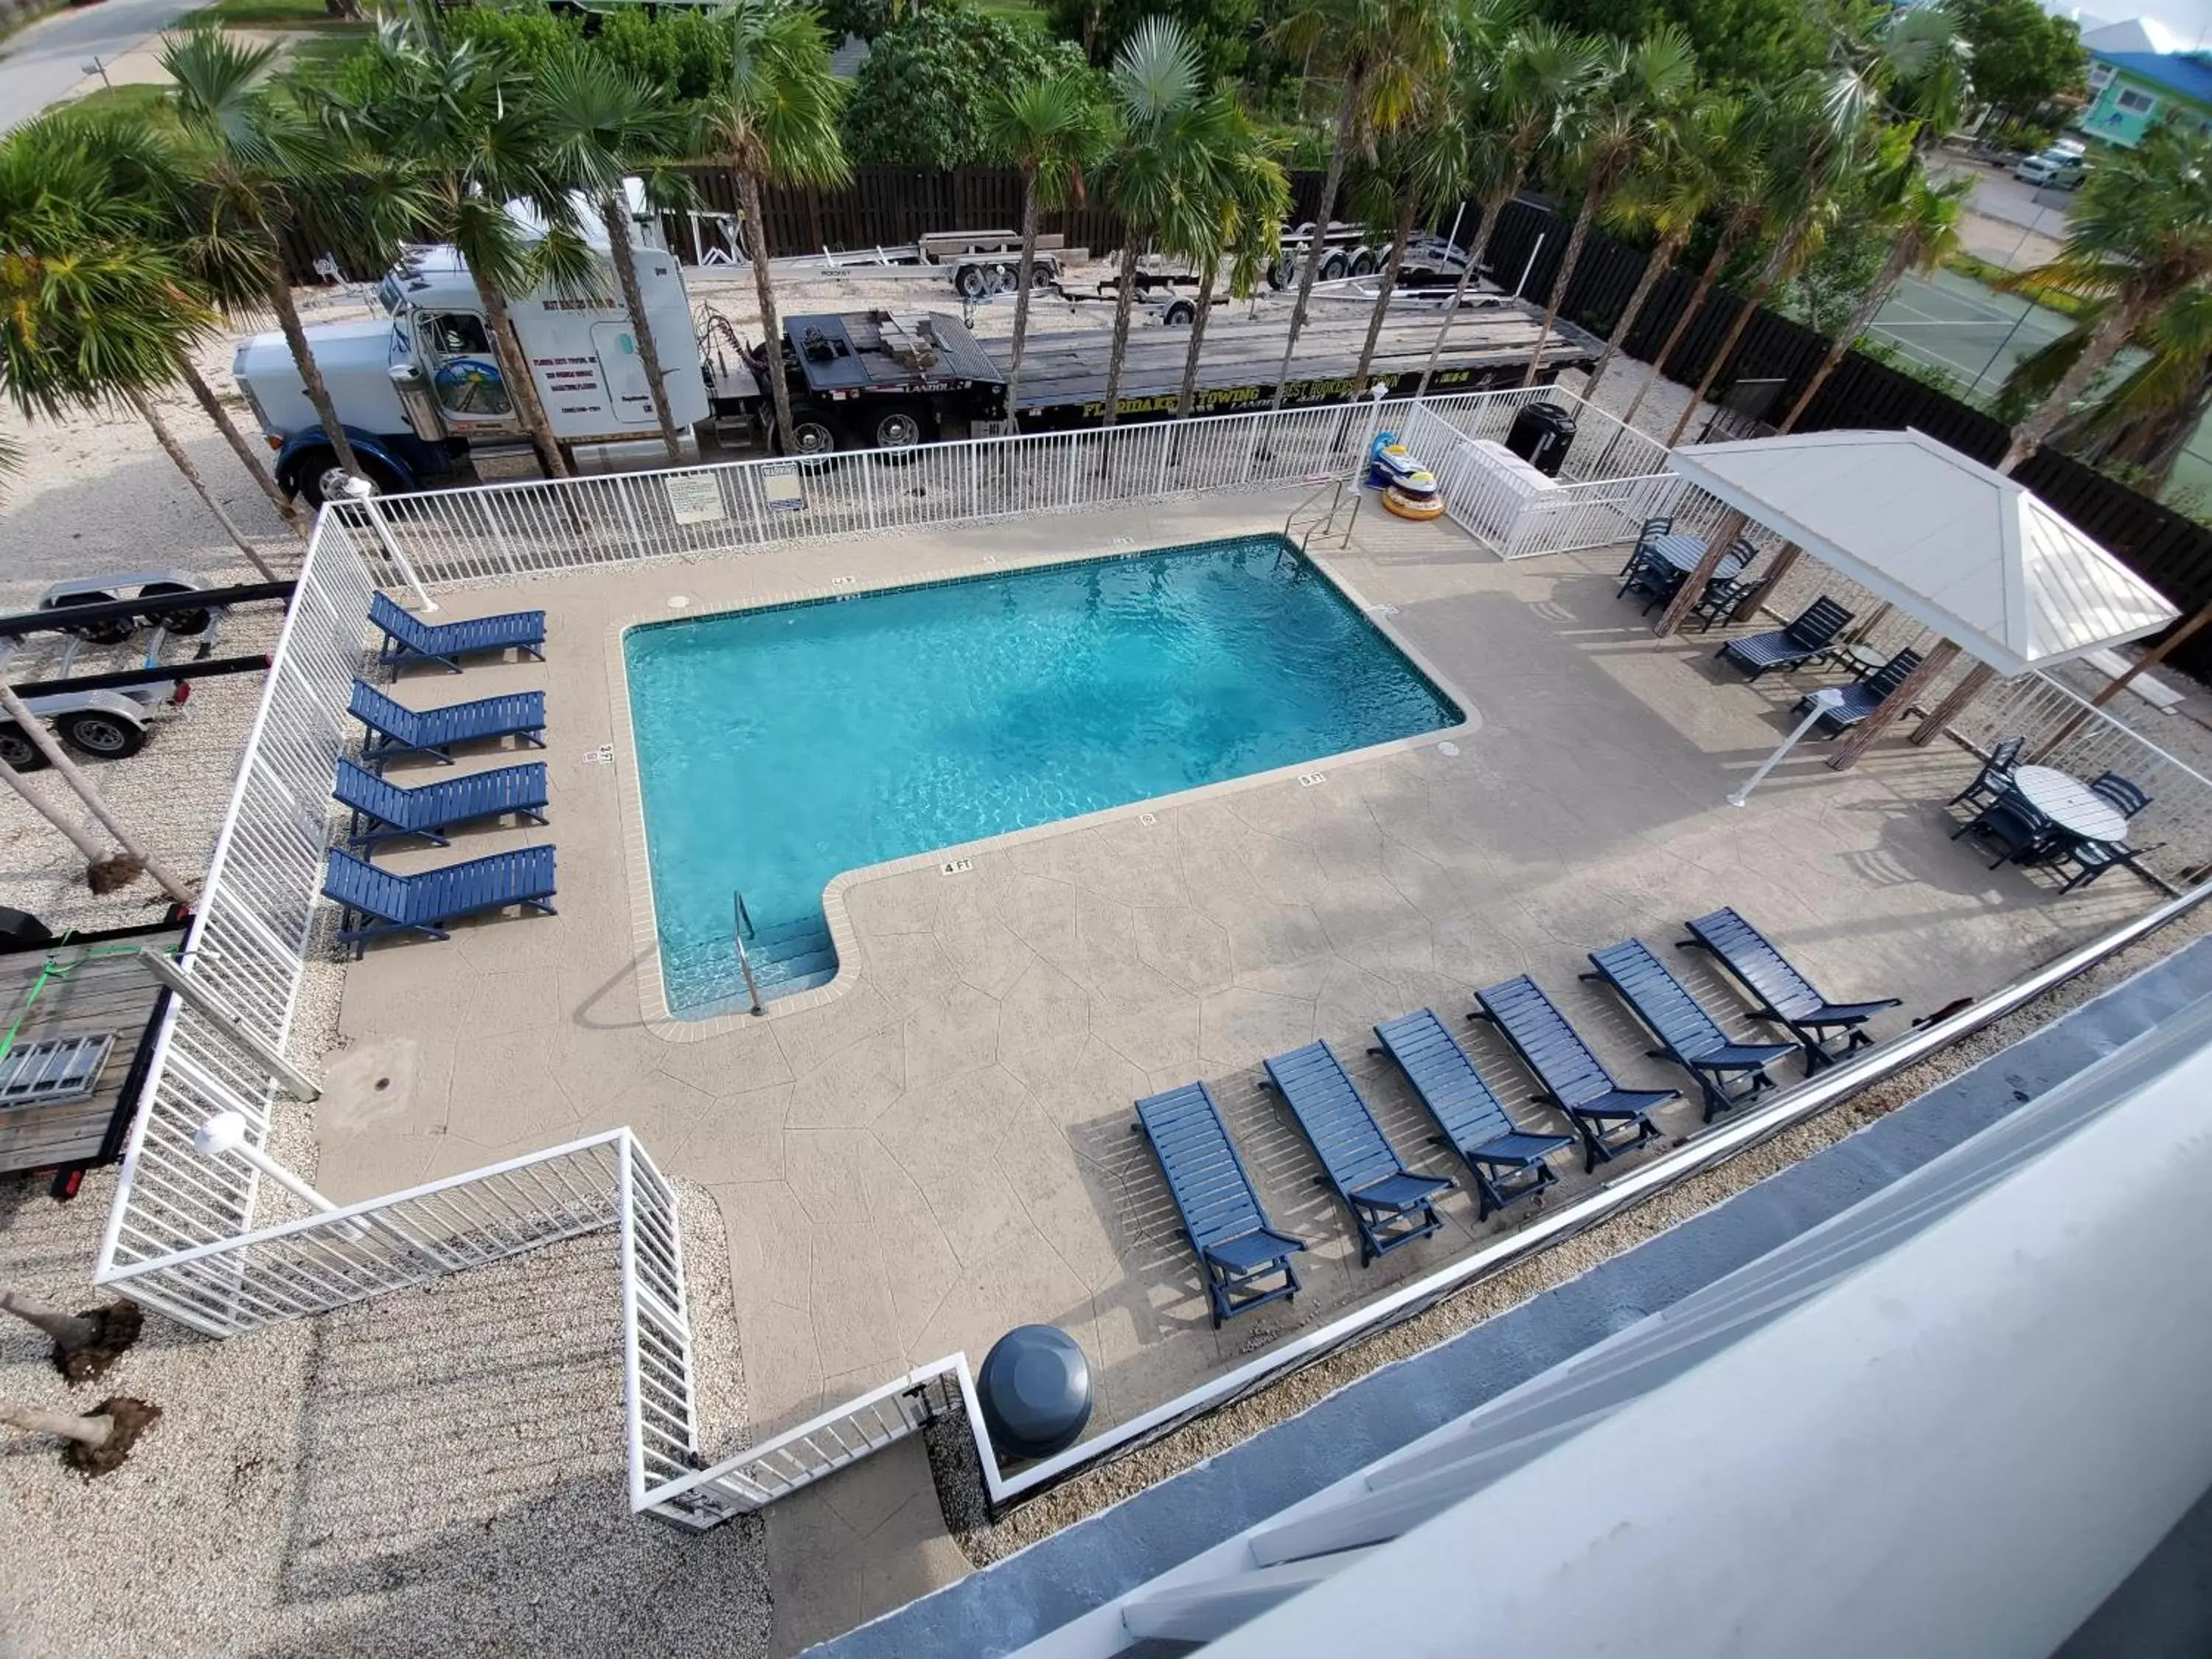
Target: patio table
(1683, 552)
(2069, 803)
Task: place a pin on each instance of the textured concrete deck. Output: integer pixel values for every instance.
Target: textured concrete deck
(941, 1149)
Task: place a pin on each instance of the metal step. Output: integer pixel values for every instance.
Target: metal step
(58, 1069)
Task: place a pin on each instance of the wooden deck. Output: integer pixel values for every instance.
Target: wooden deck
(94, 987)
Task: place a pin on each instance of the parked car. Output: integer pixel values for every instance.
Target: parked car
(2059, 167)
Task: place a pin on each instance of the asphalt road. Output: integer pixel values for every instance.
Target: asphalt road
(40, 63)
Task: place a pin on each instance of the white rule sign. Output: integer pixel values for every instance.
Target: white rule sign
(694, 497)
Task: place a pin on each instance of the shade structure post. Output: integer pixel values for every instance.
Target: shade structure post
(1856, 741)
(2157, 654)
(1954, 704)
(1693, 585)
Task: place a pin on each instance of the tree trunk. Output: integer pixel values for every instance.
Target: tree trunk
(1387, 284)
(2158, 466)
(93, 852)
(175, 452)
(1707, 278)
(1022, 299)
(1654, 266)
(521, 384)
(615, 209)
(1187, 395)
(1346, 115)
(1861, 738)
(303, 359)
(1902, 253)
(35, 730)
(68, 1330)
(1777, 262)
(1124, 302)
(1576, 238)
(1490, 211)
(63, 1426)
(203, 394)
(2104, 342)
(748, 198)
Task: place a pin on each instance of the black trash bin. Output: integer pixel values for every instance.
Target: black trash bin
(1036, 1389)
(1541, 435)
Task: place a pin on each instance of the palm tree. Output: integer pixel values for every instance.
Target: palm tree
(1235, 210)
(1513, 95)
(1423, 164)
(1382, 52)
(604, 123)
(1923, 220)
(2145, 420)
(1665, 195)
(259, 168)
(1052, 131)
(1637, 91)
(1161, 121)
(774, 123)
(2139, 238)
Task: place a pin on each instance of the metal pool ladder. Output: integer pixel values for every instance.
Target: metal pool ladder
(740, 928)
(1306, 519)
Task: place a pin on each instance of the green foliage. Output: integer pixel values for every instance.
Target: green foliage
(1823, 293)
(532, 35)
(923, 94)
(1226, 32)
(1740, 44)
(2024, 56)
(681, 48)
(1942, 380)
(1996, 276)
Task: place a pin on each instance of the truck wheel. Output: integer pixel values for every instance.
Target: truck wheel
(312, 464)
(1363, 261)
(114, 631)
(177, 621)
(1333, 265)
(971, 281)
(1182, 313)
(101, 734)
(17, 752)
(810, 435)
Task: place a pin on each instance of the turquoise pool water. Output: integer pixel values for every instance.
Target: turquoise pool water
(779, 747)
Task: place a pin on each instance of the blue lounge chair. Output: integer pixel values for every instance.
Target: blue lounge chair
(408, 638)
(1687, 1035)
(396, 729)
(1813, 632)
(383, 811)
(1779, 991)
(1221, 1213)
(1867, 696)
(1506, 1161)
(377, 902)
(1609, 1118)
(1389, 1204)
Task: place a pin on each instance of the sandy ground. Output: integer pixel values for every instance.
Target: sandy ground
(439, 1470)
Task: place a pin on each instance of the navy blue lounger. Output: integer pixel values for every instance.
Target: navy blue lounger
(1779, 991)
(1389, 1204)
(383, 811)
(1609, 1118)
(1506, 1160)
(1863, 699)
(1801, 640)
(395, 729)
(1688, 1035)
(377, 902)
(1221, 1213)
(409, 638)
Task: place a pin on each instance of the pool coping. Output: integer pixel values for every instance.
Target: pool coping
(644, 932)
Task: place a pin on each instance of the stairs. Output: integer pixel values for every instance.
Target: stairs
(793, 956)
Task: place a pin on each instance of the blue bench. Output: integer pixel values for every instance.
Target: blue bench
(1799, 641)
(1778, 992)
(394, 729)
(1221, 1214)
(377, 902)
(1389, 1204)
(1688, 1033)
(408, 637)
(1507, 1161)
(1609, 1118)
(383, 811)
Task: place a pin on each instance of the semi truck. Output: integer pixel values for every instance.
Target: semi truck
(424, 394)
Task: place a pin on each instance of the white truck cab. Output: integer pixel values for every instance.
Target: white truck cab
(423, 391)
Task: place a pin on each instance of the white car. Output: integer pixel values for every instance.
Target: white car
(2057, 169)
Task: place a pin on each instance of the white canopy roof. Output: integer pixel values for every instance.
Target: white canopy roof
(1965, 551)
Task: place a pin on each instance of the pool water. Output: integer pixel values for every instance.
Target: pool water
(779, 747)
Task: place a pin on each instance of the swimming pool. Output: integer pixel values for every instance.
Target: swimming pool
(778, 747)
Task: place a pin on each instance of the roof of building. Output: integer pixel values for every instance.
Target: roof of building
(2135, 35)
(2189, 76)
(1971, 553)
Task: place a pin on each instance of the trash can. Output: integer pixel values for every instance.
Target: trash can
(1035, 1387)
(1541, 435)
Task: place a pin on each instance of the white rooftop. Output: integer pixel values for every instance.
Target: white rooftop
(1971, 553)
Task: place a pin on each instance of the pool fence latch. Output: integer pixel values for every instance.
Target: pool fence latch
(1821, 701)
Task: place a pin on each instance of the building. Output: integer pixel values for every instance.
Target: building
(2131, 91)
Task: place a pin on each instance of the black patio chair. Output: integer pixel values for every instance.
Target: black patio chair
(2124, 793)
(1995, 777)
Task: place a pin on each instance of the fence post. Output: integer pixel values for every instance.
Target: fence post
(367, 501)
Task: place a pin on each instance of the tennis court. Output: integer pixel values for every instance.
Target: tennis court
(1956, 324)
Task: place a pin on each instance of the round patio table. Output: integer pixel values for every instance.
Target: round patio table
(1683, 552)
(2071, 803)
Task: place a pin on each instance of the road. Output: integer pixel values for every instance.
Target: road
(42, 62)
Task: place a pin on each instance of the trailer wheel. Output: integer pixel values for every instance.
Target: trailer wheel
(17, 752)
(899, 431)
(1280, 273)
(1363, 261)
(1005, 278)
(114, 631)
(100, 734)
(1180, 313)
(971, 281)
(1333, 265)
(177, 621)
(1043, 272)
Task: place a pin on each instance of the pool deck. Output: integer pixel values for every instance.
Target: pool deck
(938, 1146)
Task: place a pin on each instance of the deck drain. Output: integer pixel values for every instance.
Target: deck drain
(1307, 779)
(1448, 748)
(603, 756)
(957, 867)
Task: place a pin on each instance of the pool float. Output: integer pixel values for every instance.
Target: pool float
(1409, 489)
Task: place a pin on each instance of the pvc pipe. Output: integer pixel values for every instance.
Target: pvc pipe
(1822, 702)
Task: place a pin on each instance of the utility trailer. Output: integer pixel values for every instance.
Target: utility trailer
(873, 380)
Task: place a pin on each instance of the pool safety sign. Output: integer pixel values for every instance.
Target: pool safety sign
(694, 497)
